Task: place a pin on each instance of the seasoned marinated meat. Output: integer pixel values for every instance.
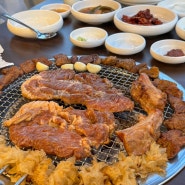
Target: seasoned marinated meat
(54, 141)
(62, 132)
(177, 121)
(83, 88)
(170, 88)
(137, 67)
(177, 104)
(152, 72)
(127, 64)
(173, 141)
(61, 59)
(110, 60)
(147, 95)
(94, 58)
(138, 138)
(43, 60)
(96, 126)
(13, 70)
(28, 66)
(9, 75)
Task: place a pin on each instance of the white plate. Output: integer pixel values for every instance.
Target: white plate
(178, 6)
(167, 16)
(125, 43)
(88, 37)
(180, 28)
(160, 48)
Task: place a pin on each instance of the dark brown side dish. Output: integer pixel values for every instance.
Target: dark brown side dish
(143, 17)
(175, 53)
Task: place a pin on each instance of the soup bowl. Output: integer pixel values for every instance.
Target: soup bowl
(91, 18)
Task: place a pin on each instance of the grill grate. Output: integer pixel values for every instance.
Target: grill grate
(11, 100)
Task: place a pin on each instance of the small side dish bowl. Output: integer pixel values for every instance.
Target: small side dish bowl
(45, 21)
(91, 18)
(160, 48)
(135, 2)
(88, 37)
(178, 6)
(168, 18)
(180, 28)
(125, 43)
(63, 9)
(70, 2)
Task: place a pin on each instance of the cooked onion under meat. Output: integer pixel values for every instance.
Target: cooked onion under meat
(138, 138)
(147, 95)
(62, 132)
(83, 88)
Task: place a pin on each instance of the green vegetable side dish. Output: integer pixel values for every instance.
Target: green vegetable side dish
(79, 38)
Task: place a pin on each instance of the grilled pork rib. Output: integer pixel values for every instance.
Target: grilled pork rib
(62, 132)
(138, 138)
(147, 95)
(83, 88)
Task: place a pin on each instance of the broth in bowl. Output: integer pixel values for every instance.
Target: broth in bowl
(97, 10)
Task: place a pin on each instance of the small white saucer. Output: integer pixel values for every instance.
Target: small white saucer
(125, 43)
(160, 48)
(88, 37)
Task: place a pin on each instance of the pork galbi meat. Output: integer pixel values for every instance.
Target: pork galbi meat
(138, 138)
(170, 88)
(177, 120)
(59, 142)
(173, 141)
(62, 132)
(83, 88)
(147, 95)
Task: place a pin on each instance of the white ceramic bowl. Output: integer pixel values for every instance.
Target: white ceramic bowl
(168, 17)
(178, 6)
(70, 2)
(45, 21)
(180, 28)
(63, 9)
(88, 37)
(160, 48)
(94, 19)
(135, 2)
(125, 43)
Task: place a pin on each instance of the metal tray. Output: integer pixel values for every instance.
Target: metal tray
(11, 100)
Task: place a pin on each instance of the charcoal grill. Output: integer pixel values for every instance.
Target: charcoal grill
(11, 100)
